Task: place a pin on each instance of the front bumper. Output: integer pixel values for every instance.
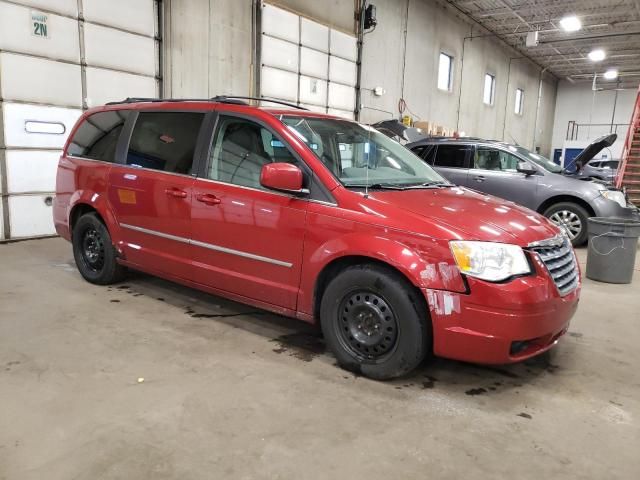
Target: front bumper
(500, 323)
(604, 207)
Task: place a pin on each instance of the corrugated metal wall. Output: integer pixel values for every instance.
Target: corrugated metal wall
(58, 57)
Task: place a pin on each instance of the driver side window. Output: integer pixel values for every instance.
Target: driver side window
(241, 148)
(496, 160)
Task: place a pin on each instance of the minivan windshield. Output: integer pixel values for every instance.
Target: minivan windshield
(360, 156)
(538, 159)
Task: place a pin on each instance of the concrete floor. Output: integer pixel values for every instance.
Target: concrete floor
(231, 392)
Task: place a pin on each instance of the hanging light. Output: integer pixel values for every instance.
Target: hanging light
(571, 23)
(611, 74)
(597, 55)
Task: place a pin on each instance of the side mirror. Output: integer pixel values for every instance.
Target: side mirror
(283, 177)
(526, 168)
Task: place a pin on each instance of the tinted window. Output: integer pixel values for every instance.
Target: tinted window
(453, 156)
(98, 135)
(241, 148)
(426, 152)
(165, 141)
(610, 164)
(493, 159)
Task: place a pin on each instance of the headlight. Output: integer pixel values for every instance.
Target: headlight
(615, 196)
(489, 261)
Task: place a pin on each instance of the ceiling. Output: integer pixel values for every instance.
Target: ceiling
(612, 25)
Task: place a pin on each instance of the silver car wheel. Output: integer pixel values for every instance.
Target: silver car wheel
(568, 221)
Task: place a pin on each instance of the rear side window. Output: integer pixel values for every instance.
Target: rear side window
(452, 156)
(426, 152)
(165, 141)
(97, 136)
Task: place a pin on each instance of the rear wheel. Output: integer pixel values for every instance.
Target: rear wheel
(93, 251)
(374, 322)
(572, 218)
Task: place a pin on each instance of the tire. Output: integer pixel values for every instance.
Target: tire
(374, 322)
(93, 251)
(575, 217)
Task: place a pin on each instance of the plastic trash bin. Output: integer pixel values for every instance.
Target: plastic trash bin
(613, 243)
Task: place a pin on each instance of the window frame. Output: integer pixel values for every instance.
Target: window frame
(450, 73)
(519, 105)
(492, 93)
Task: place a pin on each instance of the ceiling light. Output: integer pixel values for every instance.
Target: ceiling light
(597, 55)
(571, 23)
(611, 74)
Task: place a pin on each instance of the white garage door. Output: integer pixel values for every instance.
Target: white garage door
(58, 57)
(308, 63)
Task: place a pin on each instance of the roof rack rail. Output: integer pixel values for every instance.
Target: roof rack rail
(235, 99)
(157, 100)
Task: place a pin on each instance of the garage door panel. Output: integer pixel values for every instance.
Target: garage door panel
(135, 16)
(279, 53)
(348, 114)
(279, 84)
(314, 35)
(66, 7)
(342, 71)
(37, 126)
(343, 45)
(280, 23)
(313, 91)
(2, 237)
(314, 108)
(110, 48)
(314, 63)
(30, 215)
(16, 34)
(29, 79)
(108, 86)
(31, 170)
(341, 97)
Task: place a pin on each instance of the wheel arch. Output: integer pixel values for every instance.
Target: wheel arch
(80, 209)
(549, 202)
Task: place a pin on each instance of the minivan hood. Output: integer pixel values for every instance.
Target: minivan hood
(470, 215)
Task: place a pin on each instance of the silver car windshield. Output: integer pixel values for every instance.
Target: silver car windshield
(360, 156)
(538, 159)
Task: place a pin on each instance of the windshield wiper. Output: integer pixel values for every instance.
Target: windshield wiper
(432, 184)
(376, 186)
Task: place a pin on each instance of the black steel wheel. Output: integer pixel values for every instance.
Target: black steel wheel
(375, 322)
(92, 249)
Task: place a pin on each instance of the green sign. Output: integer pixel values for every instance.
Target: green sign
(39, 24)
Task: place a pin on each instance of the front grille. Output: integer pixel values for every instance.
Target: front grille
(561, 264)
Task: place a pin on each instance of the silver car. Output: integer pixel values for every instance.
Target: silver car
(601, 169)
(517, 174)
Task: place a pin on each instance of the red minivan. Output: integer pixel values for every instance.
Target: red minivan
(318, 218)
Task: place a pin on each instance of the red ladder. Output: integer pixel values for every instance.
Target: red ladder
(629, 172)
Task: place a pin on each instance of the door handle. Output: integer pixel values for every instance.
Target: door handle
(175, 192)
(479, 178)
(207, 199)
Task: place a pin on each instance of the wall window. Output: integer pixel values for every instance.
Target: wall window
(519, 108)
(489, 89)
(445, 72)
(165, 141)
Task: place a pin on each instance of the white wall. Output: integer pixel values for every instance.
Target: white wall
(577, 102)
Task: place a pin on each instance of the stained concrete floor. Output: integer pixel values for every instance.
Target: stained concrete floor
(232, 392)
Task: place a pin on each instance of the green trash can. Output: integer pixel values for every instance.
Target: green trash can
(613, 243)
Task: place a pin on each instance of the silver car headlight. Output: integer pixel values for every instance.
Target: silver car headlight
(488, 260)
(615, 196)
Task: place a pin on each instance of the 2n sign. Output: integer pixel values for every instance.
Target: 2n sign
(39, 25)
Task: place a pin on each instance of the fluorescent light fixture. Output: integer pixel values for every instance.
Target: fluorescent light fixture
(611, 74)
(571, 23)
(597, 55)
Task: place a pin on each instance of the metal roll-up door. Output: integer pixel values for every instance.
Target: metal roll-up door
(58, 57)
(307, 62)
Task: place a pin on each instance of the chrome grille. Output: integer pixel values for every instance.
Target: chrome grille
(561, 264)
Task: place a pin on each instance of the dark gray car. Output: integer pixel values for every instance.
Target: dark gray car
(517, 174)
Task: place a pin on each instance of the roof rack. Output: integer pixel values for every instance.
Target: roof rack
(236, 100)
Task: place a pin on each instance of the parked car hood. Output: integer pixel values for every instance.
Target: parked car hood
(594, 148)
(470, 215)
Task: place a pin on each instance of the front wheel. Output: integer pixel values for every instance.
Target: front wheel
(374, 322)
(572, 218)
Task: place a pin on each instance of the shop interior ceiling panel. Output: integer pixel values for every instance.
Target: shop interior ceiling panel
(341, 97)
(108, 85)
(16, 34)
(342, 71)
(314, 63)
(65, 7)
(343, 45)
(280, 23)
(36, 126)
(313, 91)
(132, 15)
(279, 83)
(32, 79)
(31, 170)
(111, 48)
(37, 222)
(279, 53)
(314, 35)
